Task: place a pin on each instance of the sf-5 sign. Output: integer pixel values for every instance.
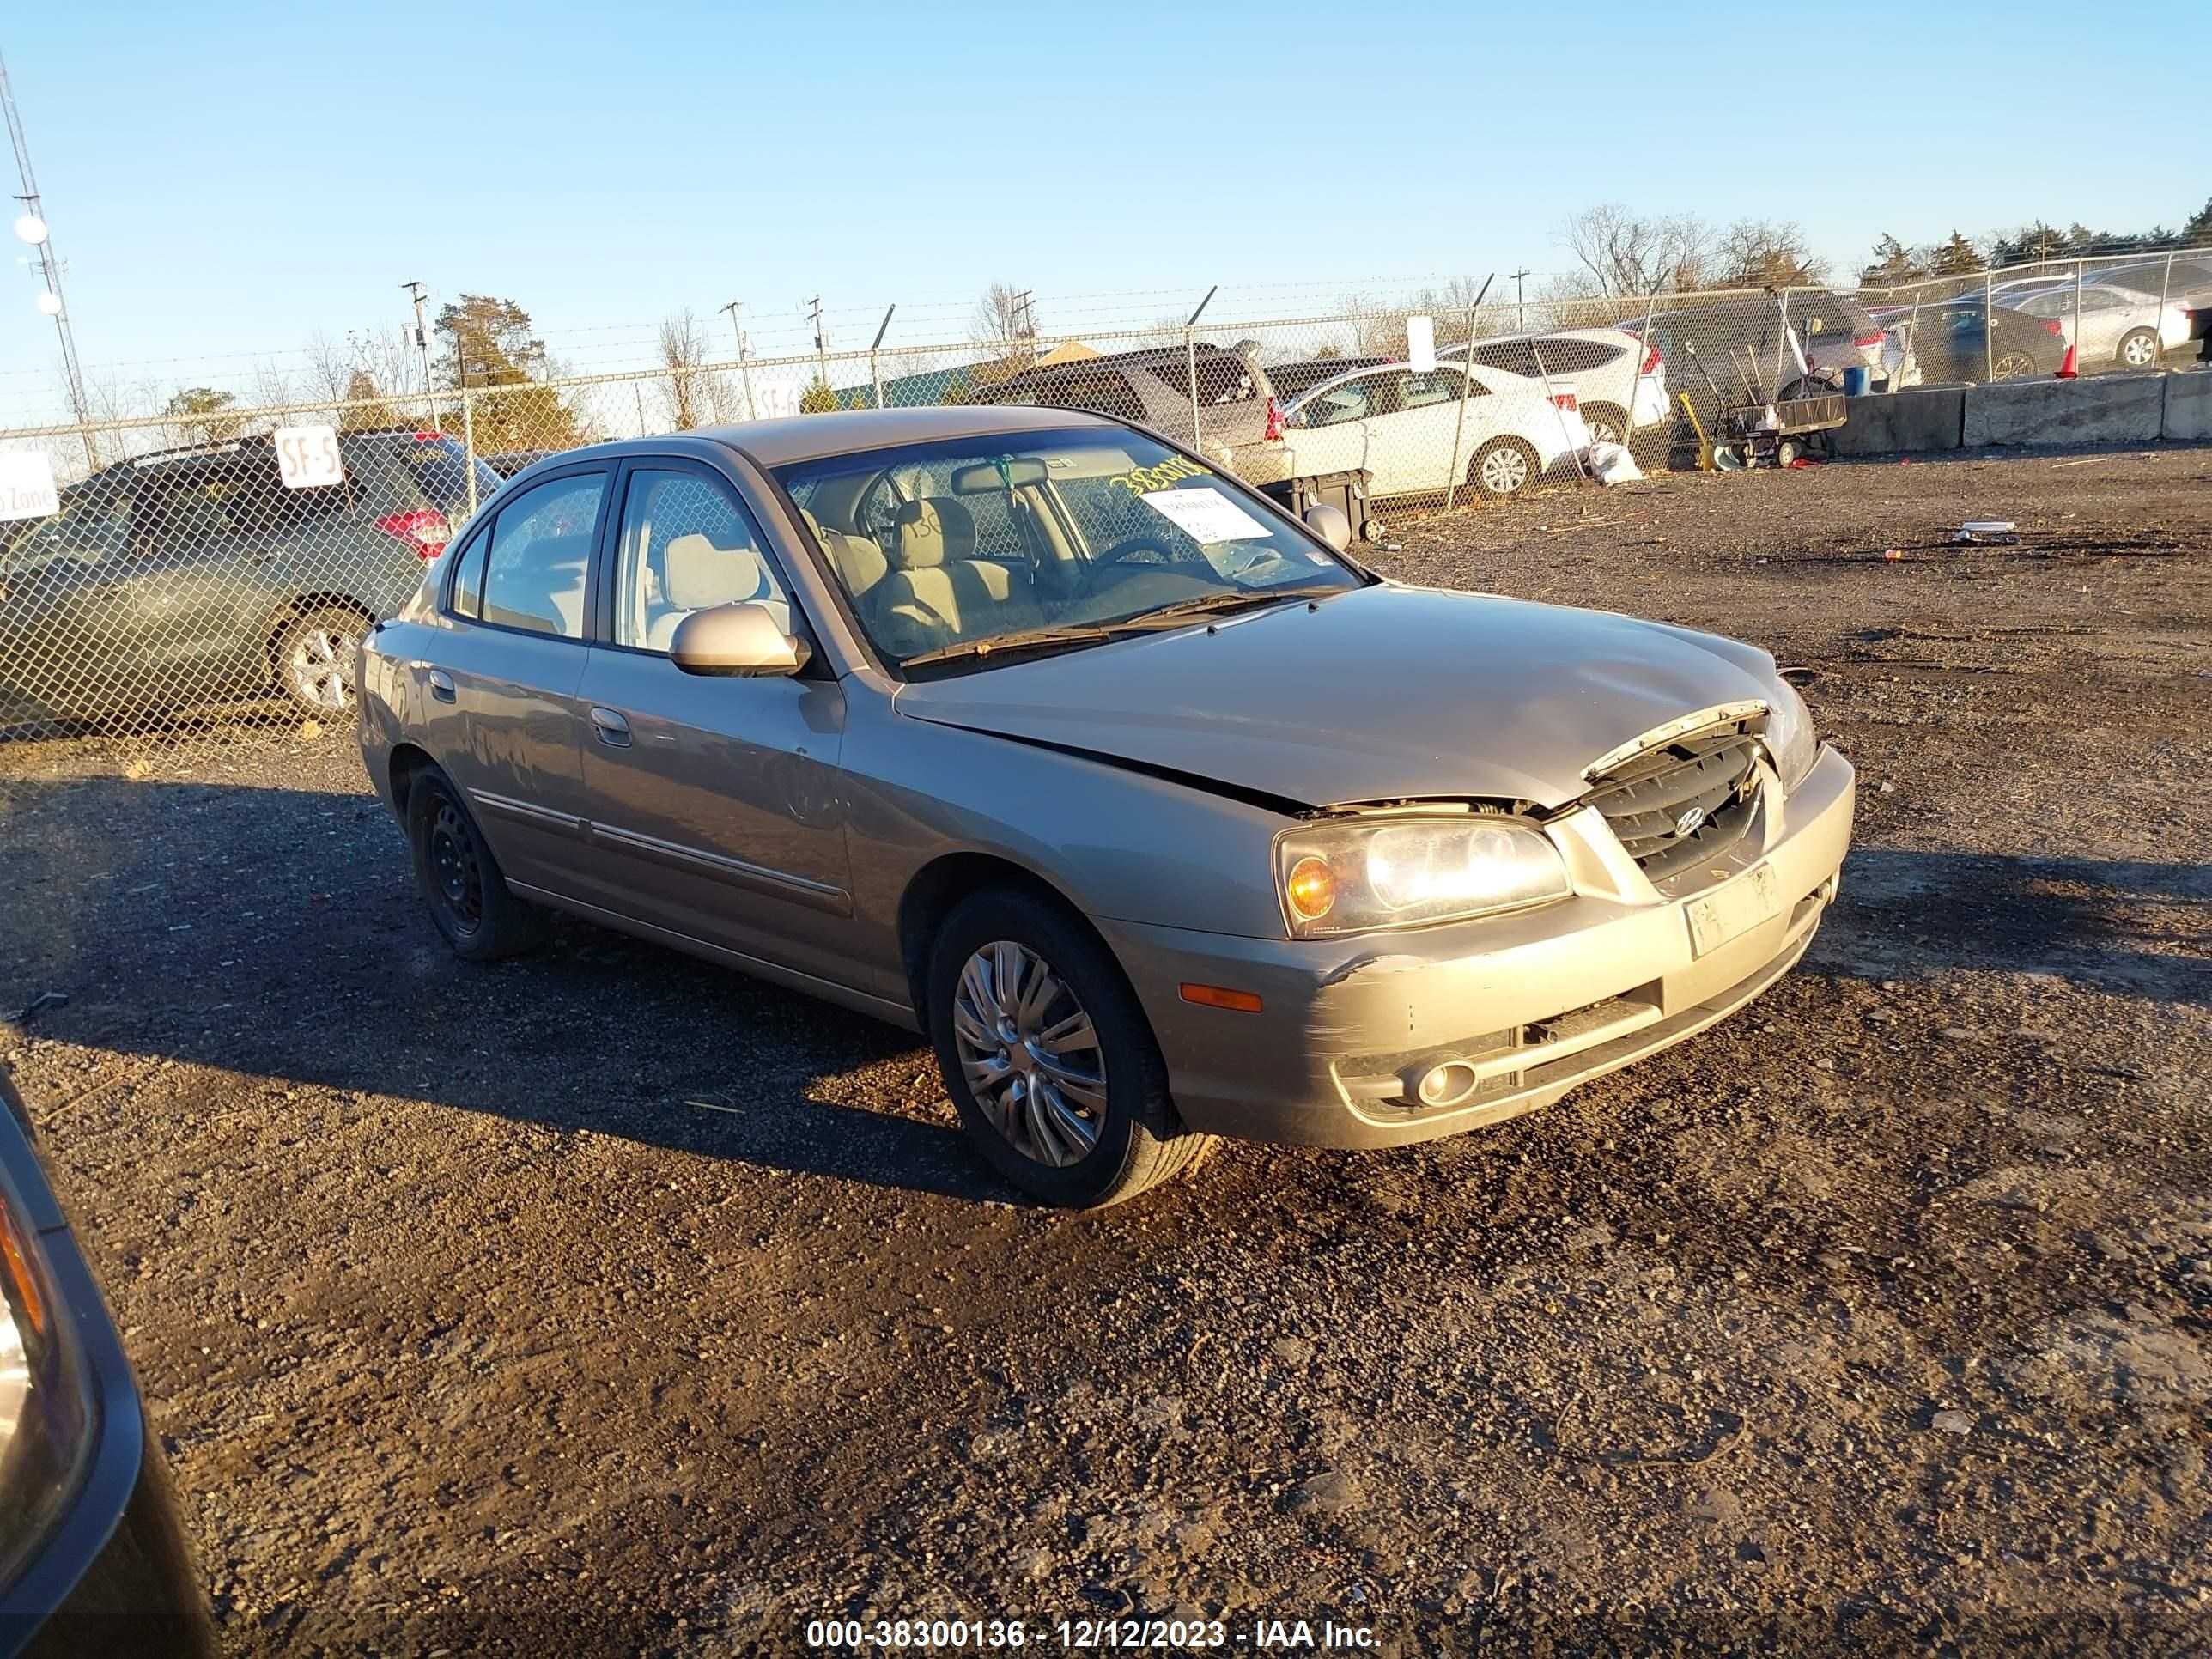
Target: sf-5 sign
(308, 456)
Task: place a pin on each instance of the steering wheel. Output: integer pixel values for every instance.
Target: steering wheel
(1142, 542)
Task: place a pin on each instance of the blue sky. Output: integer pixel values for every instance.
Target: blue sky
(228, 180)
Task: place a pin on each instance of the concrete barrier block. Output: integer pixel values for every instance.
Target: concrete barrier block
(2107, 409)
(1905, 423)
(2189, 405)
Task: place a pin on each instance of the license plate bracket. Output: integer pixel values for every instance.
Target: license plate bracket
(1733, 908)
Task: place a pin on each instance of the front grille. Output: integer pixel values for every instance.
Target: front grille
(1644, 799)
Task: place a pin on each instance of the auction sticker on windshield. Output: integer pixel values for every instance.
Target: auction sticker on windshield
(1205, 515)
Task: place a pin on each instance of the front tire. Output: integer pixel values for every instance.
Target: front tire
(460, 880)
(1501, 468)
(2139, 348)
(318, 659)
(1047, 1056)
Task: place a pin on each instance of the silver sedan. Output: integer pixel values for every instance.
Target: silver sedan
(1162, 817)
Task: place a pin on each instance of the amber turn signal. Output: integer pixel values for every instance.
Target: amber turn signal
(1220, 996)
(1312, 889)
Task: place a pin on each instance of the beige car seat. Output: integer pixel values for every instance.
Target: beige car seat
(699, 575)
(859, 562)
(938, 593)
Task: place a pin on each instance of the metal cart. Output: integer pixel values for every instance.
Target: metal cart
(1774, 434)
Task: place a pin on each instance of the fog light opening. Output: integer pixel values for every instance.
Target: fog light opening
(1448, 1084)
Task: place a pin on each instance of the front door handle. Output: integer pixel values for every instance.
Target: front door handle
(441, 685)
(613, 729)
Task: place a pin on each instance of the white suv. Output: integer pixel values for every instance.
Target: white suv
(1613, 371)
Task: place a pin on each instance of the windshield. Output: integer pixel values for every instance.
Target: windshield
(976, 539)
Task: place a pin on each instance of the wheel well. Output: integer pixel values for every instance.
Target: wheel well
(407, 762)
(942, 884)
(306, 605)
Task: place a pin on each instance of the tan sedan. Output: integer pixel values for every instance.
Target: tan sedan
(1162, 817)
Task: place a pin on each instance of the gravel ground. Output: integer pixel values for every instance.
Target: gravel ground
(604, 1302)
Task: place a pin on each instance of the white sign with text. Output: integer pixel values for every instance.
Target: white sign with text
(26, 485)
(308, 456)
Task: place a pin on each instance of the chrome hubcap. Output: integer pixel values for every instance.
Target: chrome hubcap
(1504, 470)
(2138, 349)
(322, 667)
(1029, 1053)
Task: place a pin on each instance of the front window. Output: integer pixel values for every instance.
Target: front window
(1045, 540)
(528, 572)
(687, 544)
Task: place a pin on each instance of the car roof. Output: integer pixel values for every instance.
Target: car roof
(842, 432)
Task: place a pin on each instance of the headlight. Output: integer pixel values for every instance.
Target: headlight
(1351, 875)
(1791, 743)
(46, 1420)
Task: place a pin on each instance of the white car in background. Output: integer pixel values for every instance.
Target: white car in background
(2122, 324)
(1404, 427)
(1614, 371)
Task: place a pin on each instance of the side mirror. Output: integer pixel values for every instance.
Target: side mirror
(736, 640)
(1328, 522)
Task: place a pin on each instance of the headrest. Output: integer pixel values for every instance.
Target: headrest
(858, 562)
(934, 530)
(700, 575)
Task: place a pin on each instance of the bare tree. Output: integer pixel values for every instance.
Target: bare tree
(272, 384)
(1628, 253)
(682, 349)
(1768, 253)
(1005, 322)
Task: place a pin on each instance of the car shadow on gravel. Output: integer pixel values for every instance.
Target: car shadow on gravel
(2138, 927)
(277, 934)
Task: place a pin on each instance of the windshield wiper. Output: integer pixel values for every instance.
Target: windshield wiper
(1086, 634)
(1174, 615)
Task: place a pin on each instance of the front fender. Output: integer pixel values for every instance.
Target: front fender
(1121, 844)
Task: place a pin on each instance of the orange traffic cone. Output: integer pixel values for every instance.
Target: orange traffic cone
(2066, 364)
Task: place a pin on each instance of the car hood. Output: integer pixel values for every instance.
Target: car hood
(1385, 693)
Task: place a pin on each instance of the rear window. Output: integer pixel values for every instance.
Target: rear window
(1838, 315)
(1222, 378)
(438, 467)
(1099, 390)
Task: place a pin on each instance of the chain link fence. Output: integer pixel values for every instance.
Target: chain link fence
(193, 565)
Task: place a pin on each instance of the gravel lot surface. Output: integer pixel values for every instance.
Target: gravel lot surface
(602, 1301)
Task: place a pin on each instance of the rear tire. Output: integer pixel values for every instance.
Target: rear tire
(1007, 971)
(460, 880)
(1502, 468)
(2012, 366)
(1607, 423)
(2139, 348)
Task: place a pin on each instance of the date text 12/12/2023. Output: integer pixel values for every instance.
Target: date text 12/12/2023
(1085, 1635)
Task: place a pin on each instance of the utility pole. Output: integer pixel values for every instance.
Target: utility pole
(423, 345)
(744, 369)
(820, 344)
(1024, 321)
(1520, 305)
(31, 227)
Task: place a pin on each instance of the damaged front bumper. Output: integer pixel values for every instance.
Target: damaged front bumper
(1517, 1008)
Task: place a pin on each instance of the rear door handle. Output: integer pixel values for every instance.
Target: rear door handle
(441, 685)
(613, 729)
